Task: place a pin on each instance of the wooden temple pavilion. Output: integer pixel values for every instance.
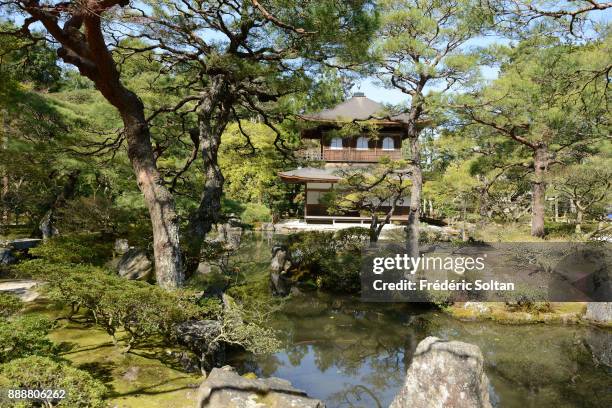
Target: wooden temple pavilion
(339, 152)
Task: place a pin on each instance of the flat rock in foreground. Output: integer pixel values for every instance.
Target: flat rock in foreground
(224, 388)
(25, 289)
(445, 374)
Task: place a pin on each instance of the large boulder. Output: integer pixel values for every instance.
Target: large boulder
(280, 283)
(25, 289)
(224, 388)
(599, 312)
(135, 265)
(7, 257)
(445, 374)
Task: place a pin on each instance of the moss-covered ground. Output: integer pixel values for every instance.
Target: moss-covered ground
(148, 376)
(562, 312)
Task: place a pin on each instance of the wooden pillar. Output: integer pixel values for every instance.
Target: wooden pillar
(305, 200)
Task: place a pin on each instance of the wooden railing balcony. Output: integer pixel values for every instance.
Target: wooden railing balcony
(351, 154)
(310, 154)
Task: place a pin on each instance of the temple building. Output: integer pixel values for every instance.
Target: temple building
(327, 144)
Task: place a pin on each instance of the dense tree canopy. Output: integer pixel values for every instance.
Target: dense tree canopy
(198, 103)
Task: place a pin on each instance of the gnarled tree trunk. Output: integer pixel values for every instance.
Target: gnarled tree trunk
(4, 191)
(158, 199)
(412, 228)
(538, 199)
(579, 217)
(214, 114)
(83, 45)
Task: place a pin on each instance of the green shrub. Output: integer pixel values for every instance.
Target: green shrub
(75, 248)
(352, 239)
(341, 273)
(9, 304)
(72, 285)
(308, 248)
(145, 311)
(36, 372)
(141, 309)
(255, 213)
(527, 299)
(331, 260)
(24, 336)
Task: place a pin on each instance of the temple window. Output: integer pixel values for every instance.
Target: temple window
(388, 143)
(336, 143)
(362, 143)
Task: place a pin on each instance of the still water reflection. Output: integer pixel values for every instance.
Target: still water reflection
(353, 354)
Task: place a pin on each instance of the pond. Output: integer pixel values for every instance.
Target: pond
(354, 354)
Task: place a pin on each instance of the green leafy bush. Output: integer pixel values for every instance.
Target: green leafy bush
(331, 260)
(254, 213)
(24, 336)
(527, 299)
(144, 311)
(341, 273)
(75, 248)
(9, 304)
(352, 239)
(93, 214)
(309, 248)
(246, 327)
(36, 372)
(114, 303)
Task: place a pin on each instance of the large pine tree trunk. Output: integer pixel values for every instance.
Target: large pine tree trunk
(538, 200)
(209, 209)
(158, 199)
(4, 215)
(213, 116)
(579, 217)
(412, 228)
(82, 44)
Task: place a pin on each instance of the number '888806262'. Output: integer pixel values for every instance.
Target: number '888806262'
(34, 394)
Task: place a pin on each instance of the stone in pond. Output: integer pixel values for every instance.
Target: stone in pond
(224, 388)
(599, 312)
(135, 265)
(445, 374)
(280, 283)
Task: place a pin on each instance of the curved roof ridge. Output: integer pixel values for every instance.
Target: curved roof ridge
(358, 107)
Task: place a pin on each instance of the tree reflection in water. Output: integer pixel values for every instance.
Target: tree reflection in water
(355, 355)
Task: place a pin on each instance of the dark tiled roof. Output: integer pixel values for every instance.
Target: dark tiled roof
(310, 174)
(358, 107)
